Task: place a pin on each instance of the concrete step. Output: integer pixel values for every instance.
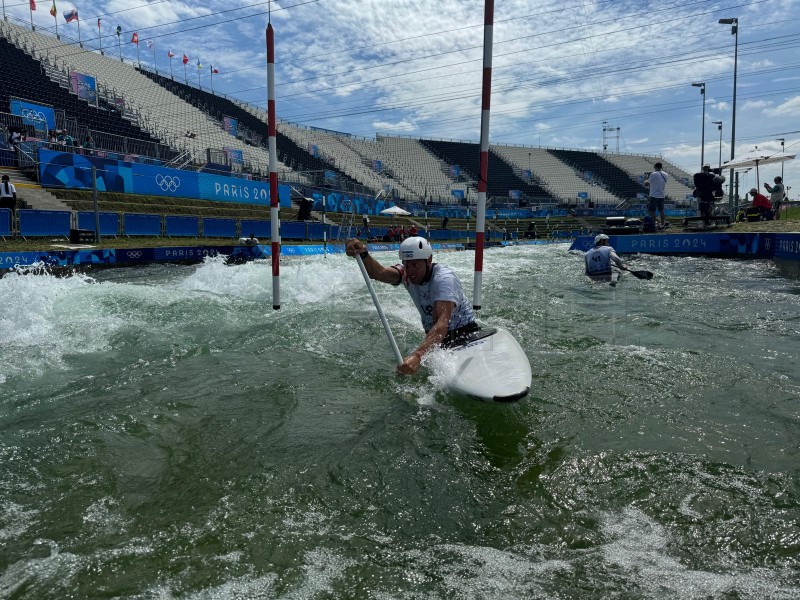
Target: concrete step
(34, 195)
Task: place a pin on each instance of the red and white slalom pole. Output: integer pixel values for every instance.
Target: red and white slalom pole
(274, 201)
(483, 175)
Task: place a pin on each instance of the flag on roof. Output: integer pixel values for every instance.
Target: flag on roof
(53, 10)
(149, 44)
(185, 59)
(98, 23)
(214, 70)
(71, 15)
(170, 53)
(33, 4)
(135, 38)
(199, 66)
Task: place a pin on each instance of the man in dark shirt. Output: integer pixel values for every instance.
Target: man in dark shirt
(704, 185)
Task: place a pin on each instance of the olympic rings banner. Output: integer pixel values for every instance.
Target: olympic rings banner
(33, 114)
(74, 171)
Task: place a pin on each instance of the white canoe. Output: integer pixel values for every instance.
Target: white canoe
(492, 368)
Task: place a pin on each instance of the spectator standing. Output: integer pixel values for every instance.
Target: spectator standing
(776, 194)
(657, 184)
(8, 195)
(704, 192)
(445, 220)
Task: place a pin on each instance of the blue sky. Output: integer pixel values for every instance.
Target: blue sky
(562, 68)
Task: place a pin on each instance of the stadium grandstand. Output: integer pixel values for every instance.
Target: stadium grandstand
(69, 101)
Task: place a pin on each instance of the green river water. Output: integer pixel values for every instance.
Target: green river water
(165, 434)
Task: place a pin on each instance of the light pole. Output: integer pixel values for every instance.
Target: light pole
(734, 23)
(702, 87)
(719, 127)
(782, 141)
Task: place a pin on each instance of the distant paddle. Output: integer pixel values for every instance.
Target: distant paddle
(639, 274)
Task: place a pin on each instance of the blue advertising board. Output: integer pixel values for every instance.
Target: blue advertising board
(66, 170)
(84, 86)
(33, 114)
(721, 244)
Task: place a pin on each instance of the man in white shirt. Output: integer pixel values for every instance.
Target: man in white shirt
(657, 183)
(435, 290)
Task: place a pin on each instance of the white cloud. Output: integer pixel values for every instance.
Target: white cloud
(789, 108)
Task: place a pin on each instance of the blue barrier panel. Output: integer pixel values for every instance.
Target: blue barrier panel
(315, 231)
(34, 223)
(5, 222)
(221, 228)
(334, 232)
(137, 224)
(293, 230)
(109, 222)
(256, 228)
(182, 226)
(7, 158)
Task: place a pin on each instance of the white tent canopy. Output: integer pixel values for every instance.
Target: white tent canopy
(756, 158)
(395, 210)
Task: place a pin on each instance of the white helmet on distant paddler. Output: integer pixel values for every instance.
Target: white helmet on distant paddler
(415, 248)
(600, 238)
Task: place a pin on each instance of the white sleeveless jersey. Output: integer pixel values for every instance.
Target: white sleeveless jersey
(442, 285)
(598, 260)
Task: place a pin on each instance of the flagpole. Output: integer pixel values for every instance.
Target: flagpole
(198, 75)
(30, 10)
(119, 45)
(137, 55)
(80, 43)
(185, 76)
(100, 36)
(171, 76)
(212, 79)
(54, 12)
(155, 63)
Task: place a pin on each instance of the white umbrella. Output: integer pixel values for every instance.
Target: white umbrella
(756, 158)
(395, 210)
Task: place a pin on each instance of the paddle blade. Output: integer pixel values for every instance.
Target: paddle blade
(642, 274)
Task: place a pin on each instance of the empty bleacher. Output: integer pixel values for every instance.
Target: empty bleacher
(418, 169)
(252, 129)
(679, 183)
(596, 167)
(24, 78)
(156, 109)
(560, 179)
(502, 178)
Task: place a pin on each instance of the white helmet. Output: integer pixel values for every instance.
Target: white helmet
(415, 248)
(600, 238)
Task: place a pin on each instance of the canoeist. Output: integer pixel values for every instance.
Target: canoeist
(598, 260)
(435, 289)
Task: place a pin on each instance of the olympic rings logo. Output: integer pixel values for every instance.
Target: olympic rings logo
(134, 254)
(32, 114)
(168, 182)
